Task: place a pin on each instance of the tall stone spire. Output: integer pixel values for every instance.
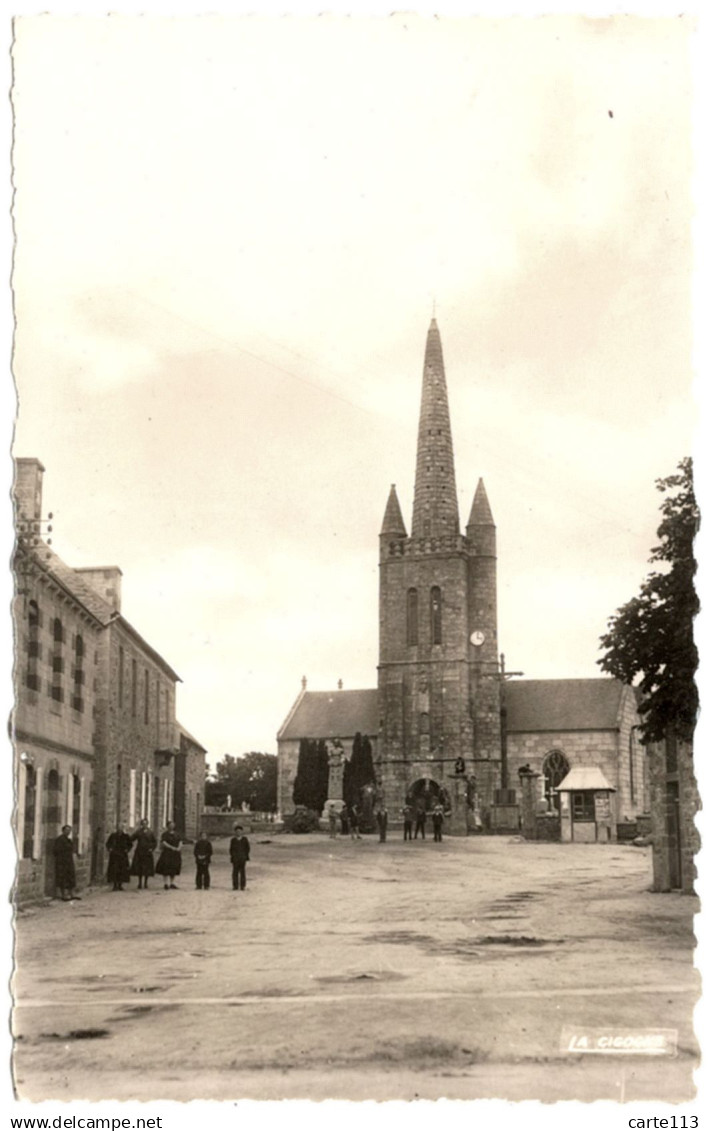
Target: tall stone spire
(435, 500)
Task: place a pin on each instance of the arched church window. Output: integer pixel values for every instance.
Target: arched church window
(554, 768)
(412, 617)
(436, 631)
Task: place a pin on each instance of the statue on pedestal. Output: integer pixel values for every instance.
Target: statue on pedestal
(336, 762)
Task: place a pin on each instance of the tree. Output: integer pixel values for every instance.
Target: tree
(652, 636)
(313, 774)
(359, 770)
(251, 778)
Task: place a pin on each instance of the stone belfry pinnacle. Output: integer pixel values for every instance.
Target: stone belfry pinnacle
(435, 499)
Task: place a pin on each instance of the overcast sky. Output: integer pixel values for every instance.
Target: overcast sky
(230, 235)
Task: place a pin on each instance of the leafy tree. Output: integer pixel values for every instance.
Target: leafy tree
(652, 636)
(251, 777)
(359, 770)
(312, 777)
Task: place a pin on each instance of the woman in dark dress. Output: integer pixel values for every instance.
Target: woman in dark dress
(143, 864)
(64, 871)
(169, 862)
(118, 845)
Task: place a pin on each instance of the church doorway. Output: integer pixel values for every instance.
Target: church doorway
(424, 794)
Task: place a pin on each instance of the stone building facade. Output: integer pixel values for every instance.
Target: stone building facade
(323, 714)
(442, 699)
(556, 725)
(58, 627)
(94, 726)
(190, 773)
(136, 729)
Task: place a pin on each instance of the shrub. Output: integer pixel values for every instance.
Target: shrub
(305, 820)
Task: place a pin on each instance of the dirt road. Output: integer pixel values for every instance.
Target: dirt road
(357, 970)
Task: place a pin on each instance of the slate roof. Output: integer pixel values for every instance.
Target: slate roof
(74, 583)
(585, 777)
(332, 714)
(532, 705)
(563, 704)
(84, 593)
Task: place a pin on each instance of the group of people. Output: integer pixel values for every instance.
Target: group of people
(348, 820)
(169, 863)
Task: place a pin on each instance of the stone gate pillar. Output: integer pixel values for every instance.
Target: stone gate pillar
(457, 824)
(530, 798)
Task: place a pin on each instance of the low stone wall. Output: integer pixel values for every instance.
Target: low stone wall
(547, 826)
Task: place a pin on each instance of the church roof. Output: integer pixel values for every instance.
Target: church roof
(532, 705)
(333, 714)
(563, 704)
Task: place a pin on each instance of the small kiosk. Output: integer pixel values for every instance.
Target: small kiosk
(585, 806)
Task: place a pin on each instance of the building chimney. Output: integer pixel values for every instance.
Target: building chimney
(106, 580)
(304, 682)
(27, 489)
(339, 685)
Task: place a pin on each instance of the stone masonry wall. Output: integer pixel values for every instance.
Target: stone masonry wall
(128, 735)
(581, 748)
(53, 733)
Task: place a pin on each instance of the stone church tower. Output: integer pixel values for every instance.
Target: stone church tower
(439, 686)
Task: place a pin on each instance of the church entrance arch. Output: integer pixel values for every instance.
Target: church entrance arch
(424, 794)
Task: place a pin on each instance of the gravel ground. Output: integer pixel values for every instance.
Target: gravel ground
(356, 970)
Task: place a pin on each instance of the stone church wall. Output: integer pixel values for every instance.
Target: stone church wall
(581, 748)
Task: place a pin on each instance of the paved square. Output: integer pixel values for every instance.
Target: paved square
(357, 970)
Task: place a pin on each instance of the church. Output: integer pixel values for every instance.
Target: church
(445, 721)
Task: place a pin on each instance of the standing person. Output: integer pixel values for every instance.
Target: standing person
(143, 865)
(408, 815)
(354, 823)
(438, 823)
(239, 854)
(344, 820)
(332, 821)
(382, 822)
(64, 871)
(420, 826)
(169, 862)
(118, 845)
(202, 856)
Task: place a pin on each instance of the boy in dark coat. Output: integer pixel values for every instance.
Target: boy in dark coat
(420, 826)
(382, 821)
(202, 856)
(438, 823)
(239, 852)
(408, 815)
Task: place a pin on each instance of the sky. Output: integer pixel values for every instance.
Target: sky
(230, 236)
